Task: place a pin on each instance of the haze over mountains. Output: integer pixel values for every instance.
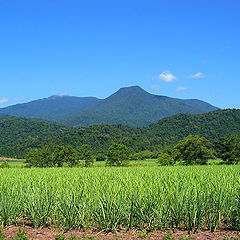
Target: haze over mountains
(131, 106)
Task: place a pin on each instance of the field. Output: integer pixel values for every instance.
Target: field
(112, 199)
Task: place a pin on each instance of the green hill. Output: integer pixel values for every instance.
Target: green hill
(212, 125)
(18, 135)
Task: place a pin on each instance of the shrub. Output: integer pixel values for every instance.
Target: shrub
(193, 150)
(165, 159)
(100, 157)
(118, 155)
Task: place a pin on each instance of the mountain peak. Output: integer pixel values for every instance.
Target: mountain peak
(132, 88)
(126, 91)
(53, 97)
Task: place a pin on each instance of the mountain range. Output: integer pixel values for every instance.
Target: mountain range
(130, 106)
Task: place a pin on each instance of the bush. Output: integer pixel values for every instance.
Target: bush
(52, 156)
(165, 159)
(193, 150)
(230, 152)
(85, 154)
(118, 155)
(4, 165)
(100, 157)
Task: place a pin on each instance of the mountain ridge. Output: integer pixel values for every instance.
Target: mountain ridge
(131, 106)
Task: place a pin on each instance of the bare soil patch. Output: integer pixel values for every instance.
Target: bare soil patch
(51, 233)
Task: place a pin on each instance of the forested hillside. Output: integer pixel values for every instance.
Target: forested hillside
(18, 135)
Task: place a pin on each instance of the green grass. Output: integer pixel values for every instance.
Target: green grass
(139, 163)
(190, 198)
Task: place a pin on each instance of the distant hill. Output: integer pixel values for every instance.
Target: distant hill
(131, 106)
(134, 106)
(53, 108)
(18, 135)
(212, 125)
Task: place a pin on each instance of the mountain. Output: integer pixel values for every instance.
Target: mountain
(134, 106)
(52, 108)
(131, 106)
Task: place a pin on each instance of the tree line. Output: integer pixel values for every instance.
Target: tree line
(192, 150)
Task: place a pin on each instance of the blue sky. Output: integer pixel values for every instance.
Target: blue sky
(184, 49)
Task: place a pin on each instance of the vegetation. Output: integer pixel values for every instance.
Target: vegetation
(118, 155)
(100, 157)
(229, 149)
(193, 150)
(165, 159)
(19, 135)
(52, 156)
(190, 198)
(86, 155)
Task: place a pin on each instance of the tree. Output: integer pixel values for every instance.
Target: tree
(100, 157)
(230, 151)
(52, 156)
(65, 154)
(165, 159)
(193, 150)
(85, 154)
(118, 155)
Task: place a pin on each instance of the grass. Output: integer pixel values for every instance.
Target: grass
(109, 199)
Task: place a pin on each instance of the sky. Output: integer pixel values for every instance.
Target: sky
(176, 48)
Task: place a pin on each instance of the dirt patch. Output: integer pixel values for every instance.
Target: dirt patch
(51, 233)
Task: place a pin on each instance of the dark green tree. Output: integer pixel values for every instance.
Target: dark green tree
(230, 151)
(164, 159)
(118, 155)
(52, 156)
(86, 155)
(100, 157)
(66, 154)
(193, 150)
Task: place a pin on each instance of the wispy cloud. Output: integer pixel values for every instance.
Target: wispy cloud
(167, 76)
(62, 94)
(3, 100)
(197, 75)
(19, 99)
(181, 89)
(155, 87)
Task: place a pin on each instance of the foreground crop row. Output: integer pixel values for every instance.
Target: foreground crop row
(190, 198)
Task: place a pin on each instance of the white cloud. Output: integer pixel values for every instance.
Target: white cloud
(155, 87)
(198, 75)
(19, 99)
(62, 95)
(181, 89)
(3, 100)
(166, 76)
